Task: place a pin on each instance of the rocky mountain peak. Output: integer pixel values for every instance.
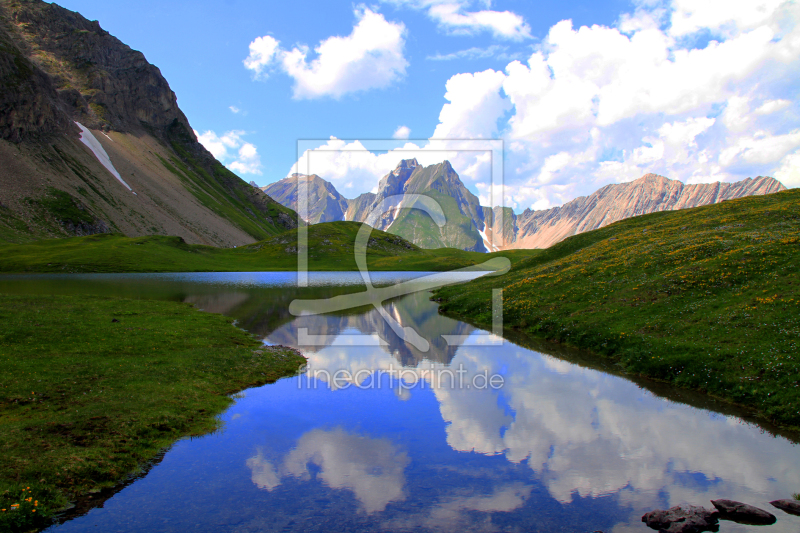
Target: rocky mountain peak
(324, 203)
(405, 164)
(101, 82)
(649, 194)
(296, 176)
(651, 177)
(474, 227)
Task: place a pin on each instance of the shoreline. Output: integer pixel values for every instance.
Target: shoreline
(587, 358)
(93, 389)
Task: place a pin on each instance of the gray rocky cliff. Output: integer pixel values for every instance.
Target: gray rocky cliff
(101, 81)
(30, 106)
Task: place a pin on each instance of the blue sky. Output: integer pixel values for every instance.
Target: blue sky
(582, 93)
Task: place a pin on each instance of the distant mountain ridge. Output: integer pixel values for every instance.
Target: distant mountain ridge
(58, 69)
(471, 226)
(609, 204)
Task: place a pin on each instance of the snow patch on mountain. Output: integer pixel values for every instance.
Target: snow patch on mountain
(486, 242)
(99, 152)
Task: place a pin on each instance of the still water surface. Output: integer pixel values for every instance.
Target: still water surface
(393, 444)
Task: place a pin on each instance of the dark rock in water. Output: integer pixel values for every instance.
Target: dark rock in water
(682, 519)
(789, 506)
(743, 513)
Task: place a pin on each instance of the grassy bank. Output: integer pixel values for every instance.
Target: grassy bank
(91, 389)
(330, 248)
(705, 298)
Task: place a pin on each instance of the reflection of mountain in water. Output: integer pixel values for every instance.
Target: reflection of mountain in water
(266, 314)
(414, 310)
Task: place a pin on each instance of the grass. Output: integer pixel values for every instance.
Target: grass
(330, 248)
(14, 229)
(222, 191)
(92, 389)
(705, 298)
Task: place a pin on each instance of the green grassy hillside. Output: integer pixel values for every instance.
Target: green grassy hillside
(705, 298)
(222, 191)
(330, 248)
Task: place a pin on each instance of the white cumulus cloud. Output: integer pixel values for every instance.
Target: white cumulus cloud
(789, 173)
(263, 51)
(402, 132)
(232, 151)
(474, 106)
(454, 16)
(371, 57)
(595, 105)
(598, 105)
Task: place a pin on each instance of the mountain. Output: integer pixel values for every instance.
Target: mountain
(473, 227)
(648, 194)
(462, 210)
(325, 204)
(92, 141)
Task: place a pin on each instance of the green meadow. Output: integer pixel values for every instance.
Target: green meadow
(330, 248)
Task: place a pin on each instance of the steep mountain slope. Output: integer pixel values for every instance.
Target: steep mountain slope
(357, 207)
(325, 204)
(145, 173)
(391, 184)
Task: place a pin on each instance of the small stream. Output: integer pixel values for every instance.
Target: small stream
(475, 434)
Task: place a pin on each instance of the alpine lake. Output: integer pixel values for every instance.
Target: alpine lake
(406, 420)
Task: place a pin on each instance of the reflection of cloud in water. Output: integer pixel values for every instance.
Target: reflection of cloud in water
(590, 433)
(373, 469)
(582, 431)
(263, 474)
(450, 515)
